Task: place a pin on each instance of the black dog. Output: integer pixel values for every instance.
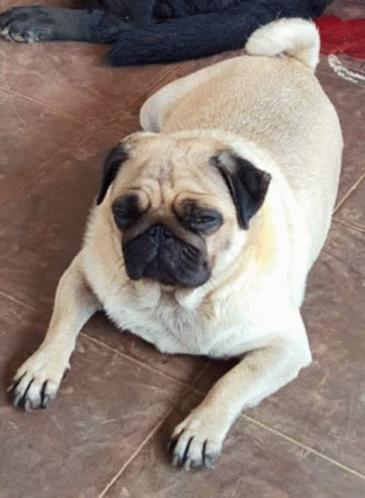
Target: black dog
(145, 31)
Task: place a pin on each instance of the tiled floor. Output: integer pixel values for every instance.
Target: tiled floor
(105, 435)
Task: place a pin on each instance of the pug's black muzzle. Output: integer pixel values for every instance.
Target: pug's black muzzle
(159, 255)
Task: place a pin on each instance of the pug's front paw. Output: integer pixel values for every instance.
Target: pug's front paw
(37, 381)
(198, 440)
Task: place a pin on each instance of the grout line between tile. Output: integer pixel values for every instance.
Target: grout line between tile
(150, 90)
(44, 173)
(150, 435)
(73, 116)
(55, 109)
(282, 435)
(352, 226)
(11, 298)
(308, 449)
(144, 365)
(132, 457)
(156, 83)
(347, 195)
(38, 176)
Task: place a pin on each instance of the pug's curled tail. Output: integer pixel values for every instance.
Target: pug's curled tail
(295, 37)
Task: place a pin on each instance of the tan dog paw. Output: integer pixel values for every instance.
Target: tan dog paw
(198, 440)
(37, 381)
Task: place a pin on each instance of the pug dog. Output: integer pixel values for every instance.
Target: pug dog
(205, 228)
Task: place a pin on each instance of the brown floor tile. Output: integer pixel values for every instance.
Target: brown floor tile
(105, 409)
(353, 209)
(72, 78)
(255, 463)
(43, 220)
(33, 138)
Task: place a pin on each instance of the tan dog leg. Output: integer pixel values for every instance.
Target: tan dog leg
(38, 379)
(199, 438)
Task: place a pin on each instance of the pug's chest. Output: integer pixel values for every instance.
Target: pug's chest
(177, 330)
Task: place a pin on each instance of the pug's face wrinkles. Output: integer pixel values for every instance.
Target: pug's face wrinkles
(173, 210)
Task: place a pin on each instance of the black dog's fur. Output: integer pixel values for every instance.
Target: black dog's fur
(146, 31)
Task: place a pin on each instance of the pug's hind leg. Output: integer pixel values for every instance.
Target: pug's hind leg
(37, 381)
(198, 440)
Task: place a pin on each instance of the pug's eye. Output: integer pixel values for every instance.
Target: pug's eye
(201, 220)
(126, 211)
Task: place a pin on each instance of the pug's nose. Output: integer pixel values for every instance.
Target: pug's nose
(160, 233)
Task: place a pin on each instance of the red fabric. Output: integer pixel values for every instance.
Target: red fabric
(340, 36)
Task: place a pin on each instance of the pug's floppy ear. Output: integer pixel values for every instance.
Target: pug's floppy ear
(247, 184)
(114, 160)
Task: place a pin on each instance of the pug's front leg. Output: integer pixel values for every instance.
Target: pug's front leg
(37, 381)
(198, 440)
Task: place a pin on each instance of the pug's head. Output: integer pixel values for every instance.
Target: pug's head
(176, 204)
